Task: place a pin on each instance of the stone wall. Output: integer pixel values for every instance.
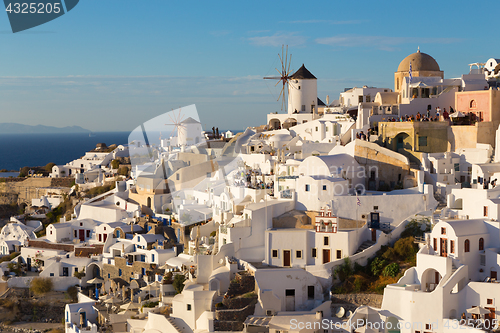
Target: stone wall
(127, 271)
(88, 250)
(244, 283)
(52, 246)
(355, 300)
(233, 318)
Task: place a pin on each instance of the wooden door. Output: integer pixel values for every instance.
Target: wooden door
(286, 258)
(81, 234)
(489, 317)
(493, 275)
(326, 256)
(374, 235)
(443, 248)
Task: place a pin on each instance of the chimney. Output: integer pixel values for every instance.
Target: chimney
(319, 315)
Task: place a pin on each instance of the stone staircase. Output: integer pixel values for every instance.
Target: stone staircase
(218, 299)
(364, 246)
(173, 323)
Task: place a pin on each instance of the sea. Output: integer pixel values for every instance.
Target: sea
(20, 150)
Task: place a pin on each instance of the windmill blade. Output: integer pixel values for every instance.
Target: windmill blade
(272, 77)
(279, 97)
(289, 64)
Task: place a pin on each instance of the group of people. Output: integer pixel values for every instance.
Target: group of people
(425, 116)
(245, 180)
(489, 183)
(362, 136)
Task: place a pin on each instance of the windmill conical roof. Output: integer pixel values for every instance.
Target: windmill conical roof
(190, 121)
(303, 73)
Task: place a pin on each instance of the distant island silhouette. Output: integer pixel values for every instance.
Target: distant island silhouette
(15, 128)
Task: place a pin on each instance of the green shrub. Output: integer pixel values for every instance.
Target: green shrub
(391, 270)
(219, 305)
(24, 171)
(179, 283)
(168, 278)
(213, 233)
(9, 257)
(338, 290)
(115, 164)
(344, 270)
(40, 285)
(79, 275)
(406, 247)
(123, 171)
(73, 293)
(150, 304)
(49, 167)
(377, 265)
(249, 295)
(390, 254)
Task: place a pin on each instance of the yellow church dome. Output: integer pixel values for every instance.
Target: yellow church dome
(419, 62)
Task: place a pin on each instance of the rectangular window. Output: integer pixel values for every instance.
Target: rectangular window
(375, 207)
(308, 187)
(209, 174)
(489, 301)
(457, 166)
(76, 269)
(422, 141)
(452, 246)
(88, 233)
(275, 253)
(368, 99)
(324, 189)
(189, 307)
(303, 109)
(310, 292)
(435, 244)
(482, 260)
(339, 254)
(313, 253)
(75, 234)
(177, 176)
(443, 231)
(485, 210)
(298, 254)
(316, 128)
(119, 272)
(152, 257)
(325, 240)
(360, 99)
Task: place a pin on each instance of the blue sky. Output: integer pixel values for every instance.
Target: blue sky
(110, 65)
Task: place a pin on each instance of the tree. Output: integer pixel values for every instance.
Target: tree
(49, 167)
(123, 171)
(115, 164)
(24, 171)
(179, 283)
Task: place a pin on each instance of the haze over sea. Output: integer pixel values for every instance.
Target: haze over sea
(19, 150)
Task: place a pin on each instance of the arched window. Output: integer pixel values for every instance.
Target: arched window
(473, 104)
(466, 246)
(481, 244)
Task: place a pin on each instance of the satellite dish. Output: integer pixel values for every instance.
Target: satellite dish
(340, 312)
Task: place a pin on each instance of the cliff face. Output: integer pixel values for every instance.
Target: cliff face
(20, 190)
